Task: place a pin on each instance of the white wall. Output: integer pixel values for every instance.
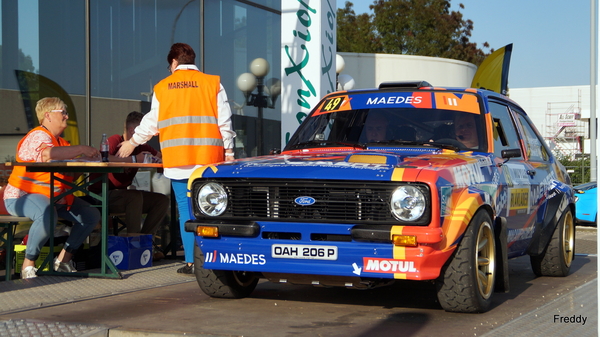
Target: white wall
(369, 70)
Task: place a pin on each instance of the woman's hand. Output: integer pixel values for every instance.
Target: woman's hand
(70, 152)
(88, 151)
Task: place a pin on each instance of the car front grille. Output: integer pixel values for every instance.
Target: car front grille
(335, 201)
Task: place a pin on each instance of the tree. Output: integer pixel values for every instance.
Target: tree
(579, 168)
(411, 27)
(356, 34)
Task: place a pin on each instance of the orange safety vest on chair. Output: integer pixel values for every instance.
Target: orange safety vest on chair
(188, 119)
(39, 182)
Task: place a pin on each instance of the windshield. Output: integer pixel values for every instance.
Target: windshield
(356, 120)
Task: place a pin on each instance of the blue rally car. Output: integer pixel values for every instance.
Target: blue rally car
(406, 181)
(587, 207)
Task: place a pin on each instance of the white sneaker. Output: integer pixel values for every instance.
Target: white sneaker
(28, 272)
(65, 267)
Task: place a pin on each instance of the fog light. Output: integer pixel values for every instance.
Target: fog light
(404, 240)
(207, 231)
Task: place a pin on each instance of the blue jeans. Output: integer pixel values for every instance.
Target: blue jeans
(183, 206)
(37, 208)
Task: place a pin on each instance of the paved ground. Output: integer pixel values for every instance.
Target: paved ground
(158, 301)
(587, 240)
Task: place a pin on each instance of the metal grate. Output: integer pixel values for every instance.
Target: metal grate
(336, 201)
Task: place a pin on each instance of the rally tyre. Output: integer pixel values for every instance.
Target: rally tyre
(466, 283)
(222, 283)
(558, 255)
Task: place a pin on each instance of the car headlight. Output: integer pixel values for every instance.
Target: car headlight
(408, 203)
(212, 199)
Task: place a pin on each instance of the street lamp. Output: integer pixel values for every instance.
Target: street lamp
(344, 81)
(264, 98)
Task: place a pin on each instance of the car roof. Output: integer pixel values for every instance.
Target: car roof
(424, 85)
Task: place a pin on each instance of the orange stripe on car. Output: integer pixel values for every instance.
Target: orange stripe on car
(399, 252)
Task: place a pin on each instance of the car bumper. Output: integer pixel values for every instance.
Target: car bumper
(585, 219)
(255, 250)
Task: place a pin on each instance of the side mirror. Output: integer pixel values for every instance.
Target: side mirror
(275, 151)
(511, 153)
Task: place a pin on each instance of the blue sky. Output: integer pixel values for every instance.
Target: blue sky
(551, 38)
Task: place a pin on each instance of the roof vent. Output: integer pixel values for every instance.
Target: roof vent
(407, 84)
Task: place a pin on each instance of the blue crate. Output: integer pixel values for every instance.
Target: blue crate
(130, 252)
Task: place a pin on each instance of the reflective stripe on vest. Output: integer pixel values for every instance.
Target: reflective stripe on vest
(186, 120)
(40, 183)
(191, 142)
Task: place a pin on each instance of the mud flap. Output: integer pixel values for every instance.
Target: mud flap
(501, 234)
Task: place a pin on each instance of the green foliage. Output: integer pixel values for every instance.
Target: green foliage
(356, 33)
(411, 27)
(579, 169)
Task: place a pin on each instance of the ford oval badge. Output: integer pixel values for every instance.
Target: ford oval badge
(305, 201)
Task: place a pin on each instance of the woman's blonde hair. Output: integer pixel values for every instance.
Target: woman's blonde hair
(48, 104)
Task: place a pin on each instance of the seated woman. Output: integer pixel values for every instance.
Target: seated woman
(28, 193)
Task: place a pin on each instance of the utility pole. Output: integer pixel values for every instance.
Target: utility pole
(593, 81)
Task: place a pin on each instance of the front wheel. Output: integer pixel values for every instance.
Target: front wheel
(222, 283)
(558, 255)
(467, 280)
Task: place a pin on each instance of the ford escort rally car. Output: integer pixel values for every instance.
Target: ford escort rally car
(406, 181)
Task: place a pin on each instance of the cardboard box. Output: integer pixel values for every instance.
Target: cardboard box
(130, 251)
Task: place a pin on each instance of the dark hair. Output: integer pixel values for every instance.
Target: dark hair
(183, 53)
(133, 119)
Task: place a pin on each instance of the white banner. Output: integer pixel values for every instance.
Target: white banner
(308, 49)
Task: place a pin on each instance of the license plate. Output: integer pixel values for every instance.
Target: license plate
(305, 252)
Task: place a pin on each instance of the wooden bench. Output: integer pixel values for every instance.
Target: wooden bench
(8, 224)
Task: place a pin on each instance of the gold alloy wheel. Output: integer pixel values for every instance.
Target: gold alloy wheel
(568, 238)
(485, 260)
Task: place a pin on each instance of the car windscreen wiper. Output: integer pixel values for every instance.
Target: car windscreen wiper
(417, 143)
(327, 143)
(397, 141)
(444, 146)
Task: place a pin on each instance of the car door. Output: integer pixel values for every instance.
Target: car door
(514, 182)
(541, 175)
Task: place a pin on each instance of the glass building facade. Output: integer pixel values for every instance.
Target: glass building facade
(104, 56)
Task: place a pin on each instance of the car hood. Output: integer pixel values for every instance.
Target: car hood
(343, 165)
